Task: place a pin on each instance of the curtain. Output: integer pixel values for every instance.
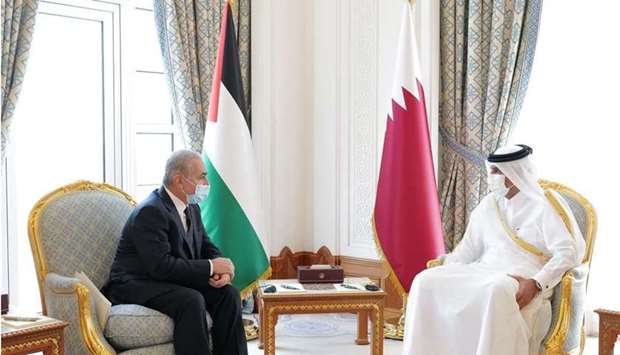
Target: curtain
(189, 36)
(487, 49)
(18, 18)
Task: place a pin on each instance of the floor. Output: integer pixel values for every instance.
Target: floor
(314, 334)
(300, 334)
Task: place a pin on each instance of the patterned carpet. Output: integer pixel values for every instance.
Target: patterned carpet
(320, 334)
(330, 334)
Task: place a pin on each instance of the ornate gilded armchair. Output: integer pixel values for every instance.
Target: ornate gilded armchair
(76, 228)
(566, 335)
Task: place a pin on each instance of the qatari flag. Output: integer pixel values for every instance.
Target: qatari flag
(406, 215)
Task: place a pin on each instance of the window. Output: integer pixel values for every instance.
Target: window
(154, 134)
(570, 119)
(94, 106)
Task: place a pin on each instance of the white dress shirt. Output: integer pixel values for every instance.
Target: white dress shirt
(180, 207)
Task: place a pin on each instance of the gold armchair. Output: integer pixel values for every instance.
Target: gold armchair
(76, 228)
(566, 334)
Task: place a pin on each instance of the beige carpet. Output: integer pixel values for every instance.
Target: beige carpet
(326, 334)
(334, 334)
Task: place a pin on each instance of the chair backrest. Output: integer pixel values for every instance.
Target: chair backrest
(568, 301)
(76, 228)
(583, 211)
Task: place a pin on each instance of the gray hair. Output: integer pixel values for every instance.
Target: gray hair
(179, 162)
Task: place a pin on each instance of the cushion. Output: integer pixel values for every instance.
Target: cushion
(165, 349)
(132, 326)
(100, 302)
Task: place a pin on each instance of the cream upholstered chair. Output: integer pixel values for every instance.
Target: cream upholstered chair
(76, 228)
(566, 335)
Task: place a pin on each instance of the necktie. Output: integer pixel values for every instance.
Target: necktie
(189, 233)
(187, 219)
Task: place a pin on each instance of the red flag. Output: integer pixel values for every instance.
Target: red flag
(406, 215)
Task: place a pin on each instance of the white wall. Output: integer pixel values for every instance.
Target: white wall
(282, 119)
(321, 74)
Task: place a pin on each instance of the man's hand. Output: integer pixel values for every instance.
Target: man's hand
(219, 280)
(222, 266)
(527, 290)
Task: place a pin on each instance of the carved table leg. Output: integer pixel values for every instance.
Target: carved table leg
(262, 324)
(377, 331)
(608, 330)
(362, 328)
(607, 340)
(269, 342)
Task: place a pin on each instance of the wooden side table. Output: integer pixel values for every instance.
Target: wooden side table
(48, 338)
(608, 330)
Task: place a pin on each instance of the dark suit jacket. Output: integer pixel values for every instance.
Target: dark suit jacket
(155, 253)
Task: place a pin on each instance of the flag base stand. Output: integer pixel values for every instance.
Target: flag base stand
(396, 332)
(251, 329)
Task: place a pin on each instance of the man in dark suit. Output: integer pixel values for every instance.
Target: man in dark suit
(166, 262)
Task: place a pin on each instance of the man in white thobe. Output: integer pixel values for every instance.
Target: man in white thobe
(491, 295)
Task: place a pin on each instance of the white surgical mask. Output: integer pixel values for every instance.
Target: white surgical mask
(497, 184)
(201, 193)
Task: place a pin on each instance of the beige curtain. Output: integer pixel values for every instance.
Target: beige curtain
(18, 18)
(487, 49)
(189, 36)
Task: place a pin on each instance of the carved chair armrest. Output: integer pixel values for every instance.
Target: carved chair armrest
(60, 284)
(568, 306)
(89, 328)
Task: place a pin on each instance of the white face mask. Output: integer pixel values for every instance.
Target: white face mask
(202, 191)
(497, 184)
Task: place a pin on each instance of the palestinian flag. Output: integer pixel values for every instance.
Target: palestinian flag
(231, 212)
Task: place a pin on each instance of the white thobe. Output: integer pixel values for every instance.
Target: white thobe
(468, 305)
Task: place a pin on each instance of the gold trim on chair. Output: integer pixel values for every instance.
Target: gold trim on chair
(590, 236)
(92, 341)
(555, 342)
(87, 327)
